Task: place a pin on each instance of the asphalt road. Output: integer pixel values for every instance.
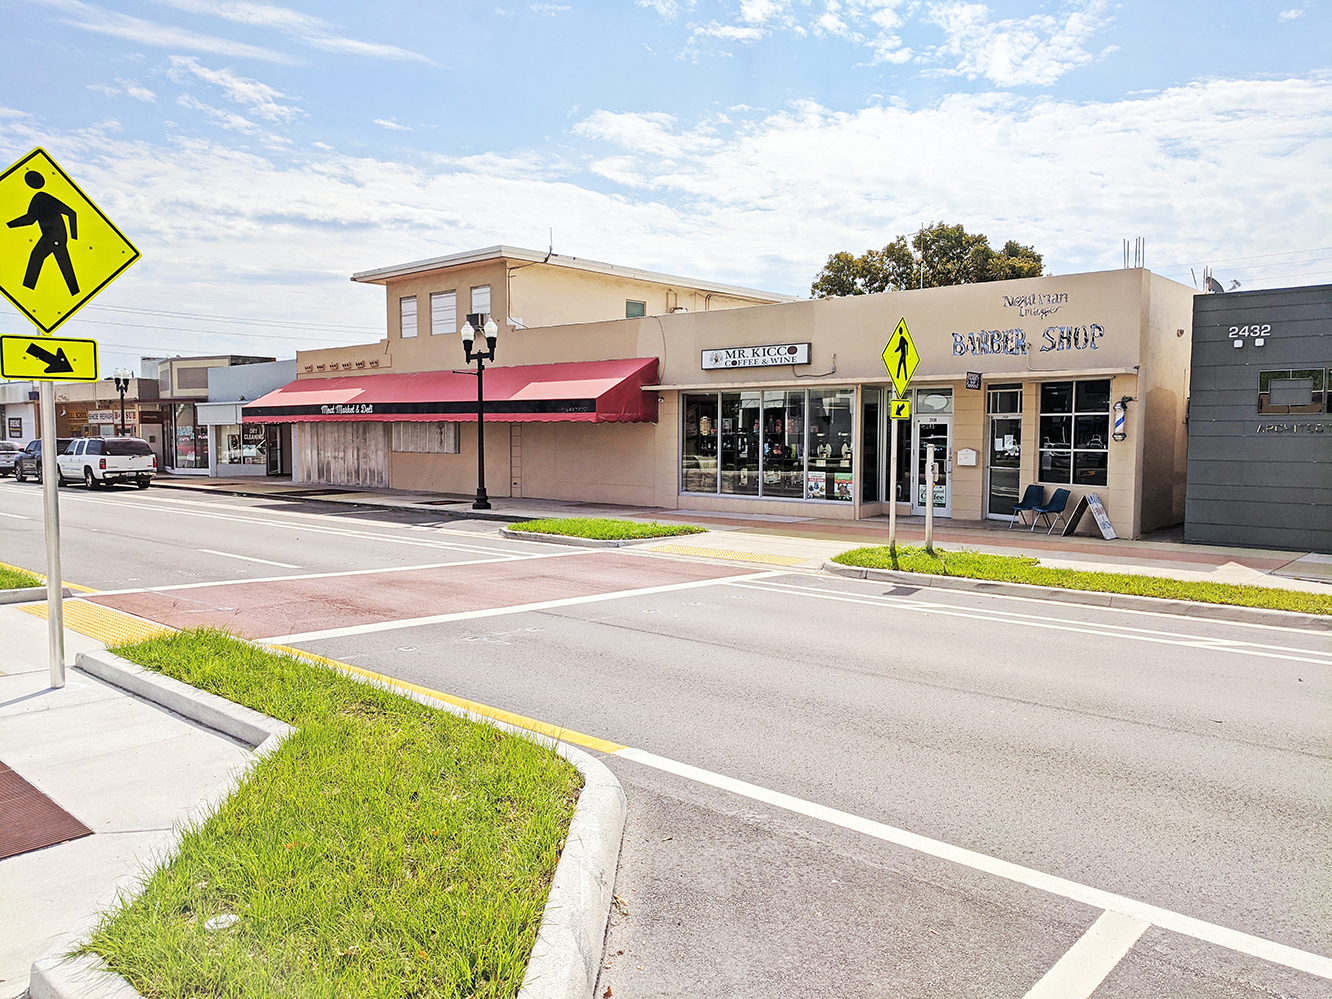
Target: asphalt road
(836, 787)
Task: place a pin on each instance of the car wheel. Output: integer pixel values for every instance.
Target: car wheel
(60, 479)
(145, 483)
(88, 479)
(19, 476)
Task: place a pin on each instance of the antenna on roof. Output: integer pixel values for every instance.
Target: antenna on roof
(550, 252)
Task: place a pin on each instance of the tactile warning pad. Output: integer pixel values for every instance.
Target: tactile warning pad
(31, 820)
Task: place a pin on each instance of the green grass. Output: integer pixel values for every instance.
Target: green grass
(605, 528)
(12, 578)
(386, 850)
(1022, 569)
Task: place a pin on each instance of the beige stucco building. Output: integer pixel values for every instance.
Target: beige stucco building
(757, 403)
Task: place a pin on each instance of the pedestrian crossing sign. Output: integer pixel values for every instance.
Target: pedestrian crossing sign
(900, 357)
(57, 248)
(44, 358)
(899, 409)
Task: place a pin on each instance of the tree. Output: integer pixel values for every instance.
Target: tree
(937, 256)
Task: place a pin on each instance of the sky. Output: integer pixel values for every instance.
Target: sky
(258, 154)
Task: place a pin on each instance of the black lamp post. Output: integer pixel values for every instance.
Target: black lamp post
(468, 331)
(123, 377)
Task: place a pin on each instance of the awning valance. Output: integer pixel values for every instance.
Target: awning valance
(581, 391)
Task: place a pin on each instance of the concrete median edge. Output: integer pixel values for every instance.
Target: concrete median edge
(1095, 598)
(29, 594)
(569, 539)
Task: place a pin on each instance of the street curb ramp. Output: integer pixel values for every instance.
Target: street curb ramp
(1095, 598)
(567, 954)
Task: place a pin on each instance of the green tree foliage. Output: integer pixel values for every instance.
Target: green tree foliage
(935, 257)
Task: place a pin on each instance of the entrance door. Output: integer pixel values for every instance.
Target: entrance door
(273, 448)
(936, 430)
(1005, 466)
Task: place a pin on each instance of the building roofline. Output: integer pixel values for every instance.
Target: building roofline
(382, 275)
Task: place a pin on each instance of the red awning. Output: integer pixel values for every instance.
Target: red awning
(585, 391)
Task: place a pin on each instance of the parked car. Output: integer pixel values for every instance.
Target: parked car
(101, 460)
(29, 464)
(9, 452)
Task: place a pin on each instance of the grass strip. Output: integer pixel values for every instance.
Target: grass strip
(17, 579)
(385, 850)
(1024, 569)
(605, 528)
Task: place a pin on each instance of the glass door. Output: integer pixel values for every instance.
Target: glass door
(936, 430)
(1004, 451)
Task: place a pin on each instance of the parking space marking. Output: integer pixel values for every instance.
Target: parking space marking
(1077, 974)
(248, 558)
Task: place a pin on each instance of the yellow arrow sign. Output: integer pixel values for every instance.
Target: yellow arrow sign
(900, 357)
(47, 358)
(57, 248)
(900, 409)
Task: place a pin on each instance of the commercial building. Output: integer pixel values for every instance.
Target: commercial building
(182, 384)
(236, 448)
(18, 409)
(1260, 420)
(770, 406)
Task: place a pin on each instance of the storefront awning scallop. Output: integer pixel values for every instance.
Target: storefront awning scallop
(578, 391)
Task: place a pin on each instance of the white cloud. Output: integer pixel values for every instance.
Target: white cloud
(668, 9)
(1035, 50)
(1290, 15)
(260, 98)
(392, 125)
(132, 89)
(548, 9)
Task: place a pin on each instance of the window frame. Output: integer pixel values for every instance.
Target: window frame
(1071, 450)
(436, 297)
(629, 312)
(403, 325)
(472, 303)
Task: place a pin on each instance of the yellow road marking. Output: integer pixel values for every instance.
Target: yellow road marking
(108, 626)
(72, 586)
(476, 707)
(732, 555)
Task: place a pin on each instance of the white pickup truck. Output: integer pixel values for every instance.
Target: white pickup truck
(99, 460)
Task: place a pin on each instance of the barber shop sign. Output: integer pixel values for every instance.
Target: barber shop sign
(1014, 341)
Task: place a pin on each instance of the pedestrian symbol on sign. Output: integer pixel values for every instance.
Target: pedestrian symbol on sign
(47, 213)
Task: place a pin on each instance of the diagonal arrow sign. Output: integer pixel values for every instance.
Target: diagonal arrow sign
(56, 364)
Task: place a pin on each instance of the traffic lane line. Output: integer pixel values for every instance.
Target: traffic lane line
(247, 558)
(1143, 912)
(1088, 962)
(303, 607)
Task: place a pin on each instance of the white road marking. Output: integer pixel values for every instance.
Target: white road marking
(247, 558)
(592, 598)
(171, 588)
(15, 516)
(1087, 963)
(1059, 624)
(1245, 943)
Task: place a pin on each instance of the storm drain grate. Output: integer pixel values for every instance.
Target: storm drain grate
(31, 820)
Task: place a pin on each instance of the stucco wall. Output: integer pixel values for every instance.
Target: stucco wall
(456, 473)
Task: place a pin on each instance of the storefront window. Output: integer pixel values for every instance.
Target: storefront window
(869, 466)
(740, 419)
(1075, 432)
(190, 442)
(830, 457)
(229, 445)
(784, 444)
(698, 457)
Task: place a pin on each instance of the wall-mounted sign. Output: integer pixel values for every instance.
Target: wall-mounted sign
(1014, 341)
(973, 379)
(767, 356)
(1036, 305)
(111, 416)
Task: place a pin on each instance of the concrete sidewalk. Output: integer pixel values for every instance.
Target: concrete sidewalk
(128, 770)
(807, 542)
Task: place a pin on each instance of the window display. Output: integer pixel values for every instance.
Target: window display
(740, 419)
(1075, 432)
(698, 457)
(784, 444)
(830, 439)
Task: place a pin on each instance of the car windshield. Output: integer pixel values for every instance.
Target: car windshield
(8, 446)
(124, 447)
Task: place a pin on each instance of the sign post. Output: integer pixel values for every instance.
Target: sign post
(49, 220)
(900, 358)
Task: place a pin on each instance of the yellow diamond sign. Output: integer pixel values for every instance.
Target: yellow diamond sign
(48, 358)
(900, 357)
(57, 248)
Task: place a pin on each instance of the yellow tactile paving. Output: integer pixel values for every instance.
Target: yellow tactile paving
(735, 556)
(110, 627)
(485, 710)
(72, 586)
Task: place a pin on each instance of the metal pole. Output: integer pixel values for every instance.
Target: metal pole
(482, 502)
(122, 412)
(892, 482)
(929, 498)
(55, 611)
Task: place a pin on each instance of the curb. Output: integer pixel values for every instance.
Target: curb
(1095, 598)
(27, 594)
(569, 539)
(567, 954)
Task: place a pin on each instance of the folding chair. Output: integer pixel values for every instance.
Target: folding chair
(1031, 499)
(1055, 508)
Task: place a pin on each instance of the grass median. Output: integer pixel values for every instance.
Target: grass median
(1023, 569)
(605, 528)
(14, 578)
(387, 849)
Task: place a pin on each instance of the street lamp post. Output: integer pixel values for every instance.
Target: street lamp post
(123, 376)
(468, 331)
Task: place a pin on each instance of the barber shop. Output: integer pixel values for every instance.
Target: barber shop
(768, 406)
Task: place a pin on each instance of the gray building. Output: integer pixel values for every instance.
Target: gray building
(1260, 420)
(236, 448)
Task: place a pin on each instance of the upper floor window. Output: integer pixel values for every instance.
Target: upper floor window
(635, 310)
(443, 312)
(407, 316)
(481, 299)
(1287, 393)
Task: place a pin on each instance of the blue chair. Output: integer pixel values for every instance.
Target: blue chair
(1054, 509)
(1031, 499)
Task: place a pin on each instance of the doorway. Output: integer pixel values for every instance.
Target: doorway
(936, 430)
(1004, 450)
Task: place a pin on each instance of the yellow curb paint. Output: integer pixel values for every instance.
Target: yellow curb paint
(38, 575)
(731, 555)
(110, 627)
(485, 710)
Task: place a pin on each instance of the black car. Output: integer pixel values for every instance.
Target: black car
(29, 464)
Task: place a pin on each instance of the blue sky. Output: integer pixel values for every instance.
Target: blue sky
(259, 153)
